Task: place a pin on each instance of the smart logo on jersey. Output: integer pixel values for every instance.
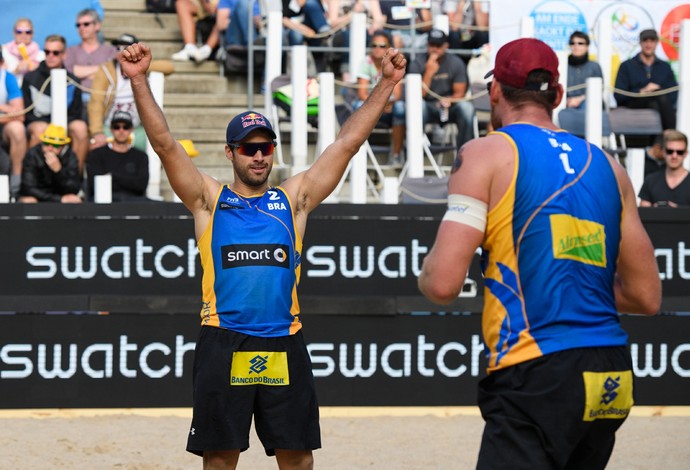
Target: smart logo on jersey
(259, 368)
(578, 240)
(235, 256)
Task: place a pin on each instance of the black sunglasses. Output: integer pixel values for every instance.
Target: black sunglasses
(84, 24)
(676, 151)
(488, 86)
(250, 149)
(578, 43)
(52, 52)
(119, 127)
(23, 31)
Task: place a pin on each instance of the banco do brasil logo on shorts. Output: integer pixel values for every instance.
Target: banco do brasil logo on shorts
(255, 255)
(259, 368)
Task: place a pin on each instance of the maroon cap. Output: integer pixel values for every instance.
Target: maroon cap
(516, 59)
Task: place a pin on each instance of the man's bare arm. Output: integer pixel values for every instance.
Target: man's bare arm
(311, 187)
(186, 180)
(637, 285)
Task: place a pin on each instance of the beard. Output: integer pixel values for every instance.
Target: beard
(249, 178)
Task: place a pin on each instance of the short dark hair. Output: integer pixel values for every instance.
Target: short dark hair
(520, 96)
(381, 32)
(579, 34)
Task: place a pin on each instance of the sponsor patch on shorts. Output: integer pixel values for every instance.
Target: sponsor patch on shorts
(259, 368)
(608, 395)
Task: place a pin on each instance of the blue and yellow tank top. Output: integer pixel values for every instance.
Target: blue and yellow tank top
(550, 250)
(250, 255)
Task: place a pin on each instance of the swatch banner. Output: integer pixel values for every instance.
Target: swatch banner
(61, 261)
(134, 360)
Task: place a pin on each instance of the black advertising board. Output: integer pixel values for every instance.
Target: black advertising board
(135, 360)
(115, 262)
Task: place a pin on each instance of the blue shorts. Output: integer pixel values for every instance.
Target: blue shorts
(237, 377)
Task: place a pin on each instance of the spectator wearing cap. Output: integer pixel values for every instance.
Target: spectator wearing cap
(112, 92)
(646, 73)
(444, 84)
(128, 166)
(12, 130)
(36, 92)
(84, 59)
(50, 172)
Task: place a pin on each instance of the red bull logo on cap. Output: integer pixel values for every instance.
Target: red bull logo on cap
(253, 119)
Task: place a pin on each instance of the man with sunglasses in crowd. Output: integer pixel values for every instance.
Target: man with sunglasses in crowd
(36, 92)
(251, 359)
(84, 59)
(127, 165)
(669, 187)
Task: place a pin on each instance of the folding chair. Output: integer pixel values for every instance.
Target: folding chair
(641, 124)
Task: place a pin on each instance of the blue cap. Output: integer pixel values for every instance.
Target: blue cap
(246, 122)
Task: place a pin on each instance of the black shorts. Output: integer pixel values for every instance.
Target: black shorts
(560, 411)
(269, 379)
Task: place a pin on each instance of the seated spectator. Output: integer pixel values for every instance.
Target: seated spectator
(670, 187)
(236, 13)
(12, 131)
(646, 73)
(339, 15)
(128, 166)
(188, 13)
(38, 118)
(22, 54)
(580, 68)
(444, 83)
(654, 156)
(50, 172)
(368, 76)
(84, 59)
(398, 23)
(306, 19)
(464, 13)
(112, 92)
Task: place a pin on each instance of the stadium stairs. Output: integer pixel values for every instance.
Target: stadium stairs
(198, 101)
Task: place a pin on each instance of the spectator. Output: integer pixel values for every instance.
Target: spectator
(22, 54)
(236, 13)
(394, 113)
(38, 118)
(445, 76)
(306, 19)
(188, 13)
(580, 68)
(84, 59)
(51, 170)
(646, 73)
(398, 23)
(671, 187)
(654, 156)
(12, 131)
(128, 166)
(464, 13)
(339, 15)
(112, 92)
